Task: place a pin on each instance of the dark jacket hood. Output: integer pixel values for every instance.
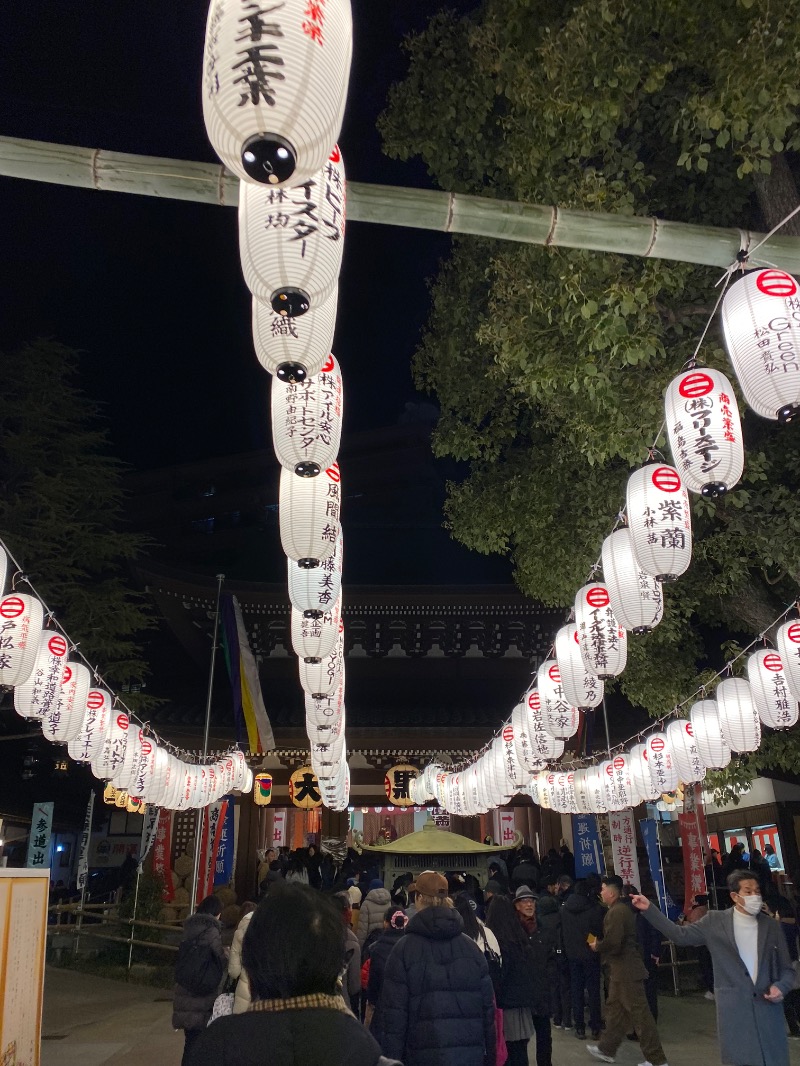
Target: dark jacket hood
(437, 923)
(197, 924)
(576, 904)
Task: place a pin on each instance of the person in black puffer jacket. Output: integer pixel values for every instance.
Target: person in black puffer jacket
(294, 956)
(581, 915)
(437, 1001)
(395, 922)
(192, 1012)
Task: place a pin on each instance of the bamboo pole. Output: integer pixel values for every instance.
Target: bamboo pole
(210, 183)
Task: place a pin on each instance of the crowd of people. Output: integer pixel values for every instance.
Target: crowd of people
(435, 971)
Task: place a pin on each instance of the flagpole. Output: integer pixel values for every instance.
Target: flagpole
(198, 835)
(83, 865)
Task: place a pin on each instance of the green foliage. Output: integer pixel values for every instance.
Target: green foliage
(61, 509)
(549, 366)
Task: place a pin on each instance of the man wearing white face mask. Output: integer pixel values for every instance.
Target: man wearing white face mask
(752, 972)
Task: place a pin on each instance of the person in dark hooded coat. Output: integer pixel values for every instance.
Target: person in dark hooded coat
(395, 922)
(437, 1000)
(192, 1012)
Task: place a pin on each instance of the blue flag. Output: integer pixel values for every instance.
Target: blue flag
(223, 869)
(586, 842)
(649, 829)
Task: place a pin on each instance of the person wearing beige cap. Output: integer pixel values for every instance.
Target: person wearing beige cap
(437, 1000)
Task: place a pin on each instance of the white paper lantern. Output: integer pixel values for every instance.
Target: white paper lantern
(761, 326)
(581, 791)
(787, 640)
(96, 719)
(291, 240)
(175, 780)
(635, 596)
(644, 790)
(738, 714)
(322, 710)
(21, 621)
(603, 641)
(109, 758)
(122, 776)
(712, 747)
(240, 769)
(558, 717)
(275, 84)
(3, 571)
(540, 789)
(63, 720)
(663, 770)
(659, 520)
(705, 431)
(315, 588)
(36, 697)
(150, 770)
(595, 788)
(528, 758)
(622, 783)
(564, 793)
(581, 688)
(309, 510)
(769, 688)
(314, 635)
(515, 771)
(294, 349)
(307, 420)
(321, 677)
(685, 753)
(544, 746)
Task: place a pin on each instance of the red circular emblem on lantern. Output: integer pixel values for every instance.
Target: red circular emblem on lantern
(534, 702)
(657, 744)
(336, 154)
(146, 746)
(773, 662)
(12, 607)
(333, 472)
(609, 769)
(689, 730)
(776, 283)
(122, 721)
(696, 384)
(57, 646)
(575, 637)
(508, 734)
(597, 597)
(619, 763)
(95, 700)
(793, 632)
(67, 676)
(666, 479)
(329, 361)
(554, 675)
(551, 779)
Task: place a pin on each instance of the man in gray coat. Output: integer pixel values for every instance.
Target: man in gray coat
(752, 971)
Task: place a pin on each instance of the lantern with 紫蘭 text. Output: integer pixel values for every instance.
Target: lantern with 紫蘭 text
(275, 84)
(704, 430)
(294, 349)
(307, 421)
(761, 327)
(291, 240)
(22, 618)
(62, 722)
(680, 737)
(36, 697)
(602, 640)
(712, 747)
(769, 688)
(309, 511)
(644, 791)
(636, 597)
(661, 763)
(559, 718)
(738, 715)
(787, 641)
(582, 689)
(660, 521)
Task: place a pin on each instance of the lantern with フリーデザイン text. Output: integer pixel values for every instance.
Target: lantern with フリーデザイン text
(704, 430)
(291, 240)
(680, 736)
(602, 640)
(62, 721)
(769, 688)
(712, 746)
(738, 715)
(663, 771)
(659, 520)
(36, 697)
(581, 688)
(641, 782)
(761, 327)
(274, 86)
(307, 420)
(294, 349)
(314, 634)
(558, 717)
(636, 597)
(316, 588)
(22, 618)
(309, 511)
(787, 641)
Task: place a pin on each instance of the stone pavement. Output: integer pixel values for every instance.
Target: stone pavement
(90, 1021)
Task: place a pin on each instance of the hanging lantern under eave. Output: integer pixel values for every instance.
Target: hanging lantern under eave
(96, 720)
(558, 717)
(769, 688)
(602, 640)
(294, 349)
(291, 240)
(712, 747)
(22, 619)
(262, 789)
(787, 641)
(636, 597)
(705, 431)
(644, 791)
(581, 791)
(761, 326)
(582, 689)
(109, 758)
(680, 737)
(315, 588)
(314, 635)
(274, 86)
(738, 715)
(544, 746)
(515, 771)
(148, 775)
(309, 513)
(595, 789)
(527, 756)
(40, 693)
(307, 420)
(125, 771)
(63, 720)
(659, 521)
(320, 677)
(663, 770)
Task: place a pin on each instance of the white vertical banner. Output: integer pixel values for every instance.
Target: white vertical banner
(278, 829)
(507, 829)
(39, 840)
(149, 829)
(86, 836)
(622, 829)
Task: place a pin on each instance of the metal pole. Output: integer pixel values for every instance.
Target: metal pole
(83, 865)
(133, 919)
(605, 720)
(198, 836)
(672, 958)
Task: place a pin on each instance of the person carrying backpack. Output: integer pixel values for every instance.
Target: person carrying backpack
(198, 972)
